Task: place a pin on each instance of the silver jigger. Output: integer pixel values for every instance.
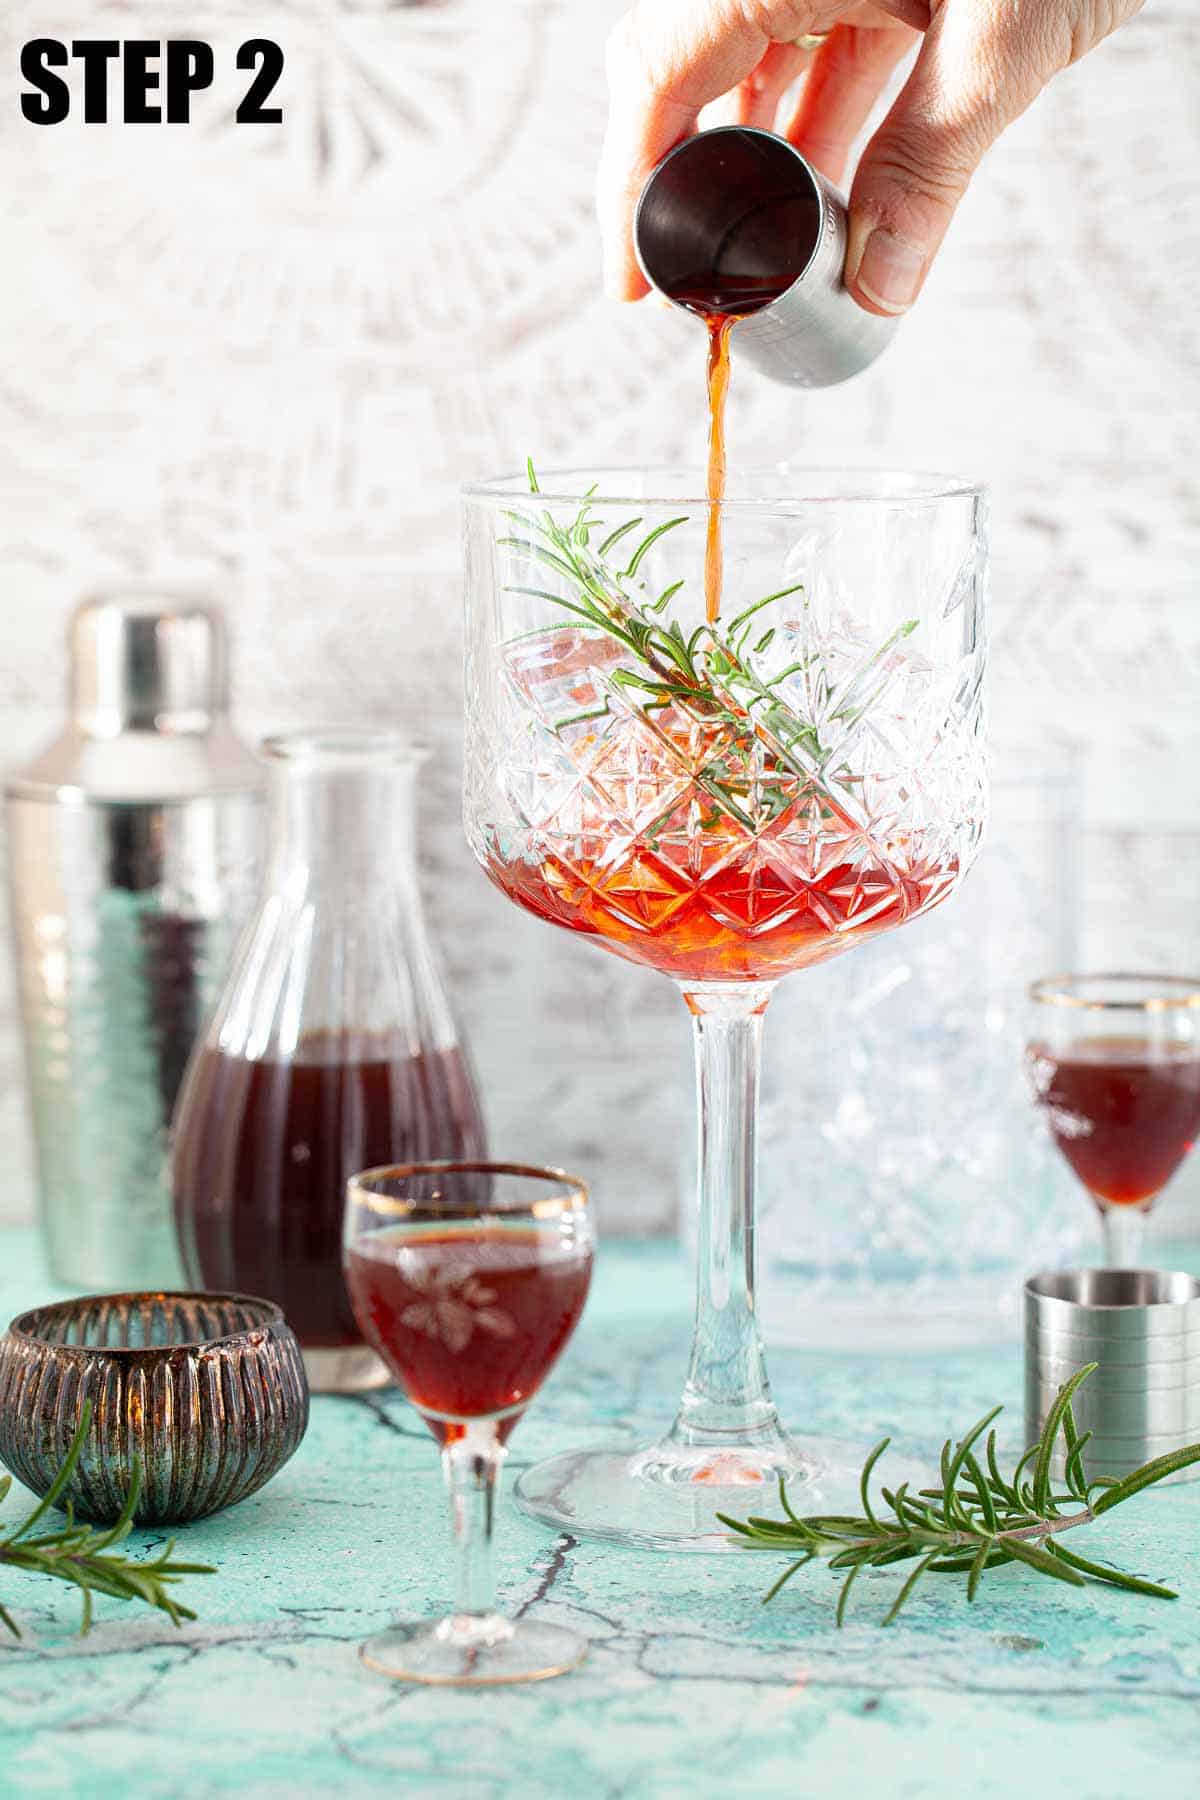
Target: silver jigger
(742, 206)
(1142, 1326)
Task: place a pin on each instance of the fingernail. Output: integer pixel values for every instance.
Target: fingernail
(889, 271)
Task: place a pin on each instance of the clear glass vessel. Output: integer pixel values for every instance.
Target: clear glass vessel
(333, 1048)
(469, 1279)
(1113, 1062)
(897, 1072)
(727, 804)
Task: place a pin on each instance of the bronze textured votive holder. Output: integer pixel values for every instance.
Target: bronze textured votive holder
(208, 1391)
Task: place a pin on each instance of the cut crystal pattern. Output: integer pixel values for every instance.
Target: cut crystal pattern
(834, 787)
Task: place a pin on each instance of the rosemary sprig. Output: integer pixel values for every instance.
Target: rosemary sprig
(710, 672)
(974, 1520)
(82, 1556)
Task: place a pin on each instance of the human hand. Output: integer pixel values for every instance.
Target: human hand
(980, 64)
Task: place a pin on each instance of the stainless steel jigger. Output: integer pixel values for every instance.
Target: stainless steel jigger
(744, 203)
(1142, 1326)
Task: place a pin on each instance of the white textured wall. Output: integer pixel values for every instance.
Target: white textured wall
(265, 358)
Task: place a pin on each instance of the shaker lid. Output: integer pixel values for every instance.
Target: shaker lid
(147, 662)
(149, 698)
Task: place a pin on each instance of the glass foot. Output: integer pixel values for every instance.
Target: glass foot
(667, 1497)
(469, 1650)
(353, 1370)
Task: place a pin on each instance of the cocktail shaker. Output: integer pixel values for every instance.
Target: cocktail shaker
(744, 211)
(133, 847)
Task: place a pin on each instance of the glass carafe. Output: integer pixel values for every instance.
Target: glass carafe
(333, 1049)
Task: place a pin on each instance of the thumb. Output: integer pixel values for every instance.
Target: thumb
(970, 79)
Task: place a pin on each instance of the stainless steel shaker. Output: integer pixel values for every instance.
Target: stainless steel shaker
(133, 846)
(742, 204)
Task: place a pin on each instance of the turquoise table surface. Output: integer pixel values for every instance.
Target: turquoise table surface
(691, 1688)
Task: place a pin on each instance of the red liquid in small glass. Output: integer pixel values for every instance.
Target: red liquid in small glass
(470, 1320)
(1124, 1112)
(263, 1151)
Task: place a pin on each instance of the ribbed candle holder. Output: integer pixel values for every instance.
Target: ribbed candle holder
(207, 1391)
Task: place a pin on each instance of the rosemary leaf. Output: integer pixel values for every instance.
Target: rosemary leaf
(1145, 1476)
(976, 1520)
(1027, 1552)
(1136, 1584)
(1054, 1418)
(84, 1557)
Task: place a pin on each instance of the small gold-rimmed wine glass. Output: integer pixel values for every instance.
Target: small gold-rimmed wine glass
(1114, 1061)
(468, 1278)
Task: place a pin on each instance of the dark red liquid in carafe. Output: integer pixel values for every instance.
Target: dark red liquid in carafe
(1124, 1112)
(469, 1319)
(263, 1151)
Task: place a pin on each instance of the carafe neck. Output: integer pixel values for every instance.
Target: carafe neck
(343, 810)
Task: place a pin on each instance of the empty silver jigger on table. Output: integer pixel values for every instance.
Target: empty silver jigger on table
(1142, 1326)
(743, 208)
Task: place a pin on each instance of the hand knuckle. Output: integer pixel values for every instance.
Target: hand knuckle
(929, 158)
(777, 20)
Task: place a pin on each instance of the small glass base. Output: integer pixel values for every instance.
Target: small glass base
(470, 1650)
(353, 1370)
(667, 1496)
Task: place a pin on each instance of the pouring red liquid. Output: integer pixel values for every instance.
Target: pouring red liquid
(720, 299)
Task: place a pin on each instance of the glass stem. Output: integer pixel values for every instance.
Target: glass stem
(1124, 1235)
(727, 1399)
(472, 1469)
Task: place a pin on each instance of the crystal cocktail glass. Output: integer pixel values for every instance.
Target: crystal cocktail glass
(726, 804)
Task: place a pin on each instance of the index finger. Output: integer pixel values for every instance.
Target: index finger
(666, 60)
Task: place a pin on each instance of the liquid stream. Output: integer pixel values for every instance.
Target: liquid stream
(721, 299)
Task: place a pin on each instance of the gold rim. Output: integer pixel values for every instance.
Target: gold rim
(367, 1189)
(1183, 991)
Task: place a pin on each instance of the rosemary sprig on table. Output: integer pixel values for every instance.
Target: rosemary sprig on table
(974, 1520)
(710, 671)
(83, 1556)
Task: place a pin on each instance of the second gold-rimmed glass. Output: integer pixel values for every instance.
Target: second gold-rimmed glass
(468, 1278)
(1114, 1061)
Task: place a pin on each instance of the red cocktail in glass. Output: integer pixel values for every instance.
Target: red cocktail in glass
(469, 1319)
(1114, 1062)
(468, 1279)
(726, 761)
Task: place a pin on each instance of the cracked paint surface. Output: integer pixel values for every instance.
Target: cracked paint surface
(691, 1685)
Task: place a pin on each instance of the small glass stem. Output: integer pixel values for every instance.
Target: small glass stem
(472, 1469)
(1124, 1236)
(727, 1399)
